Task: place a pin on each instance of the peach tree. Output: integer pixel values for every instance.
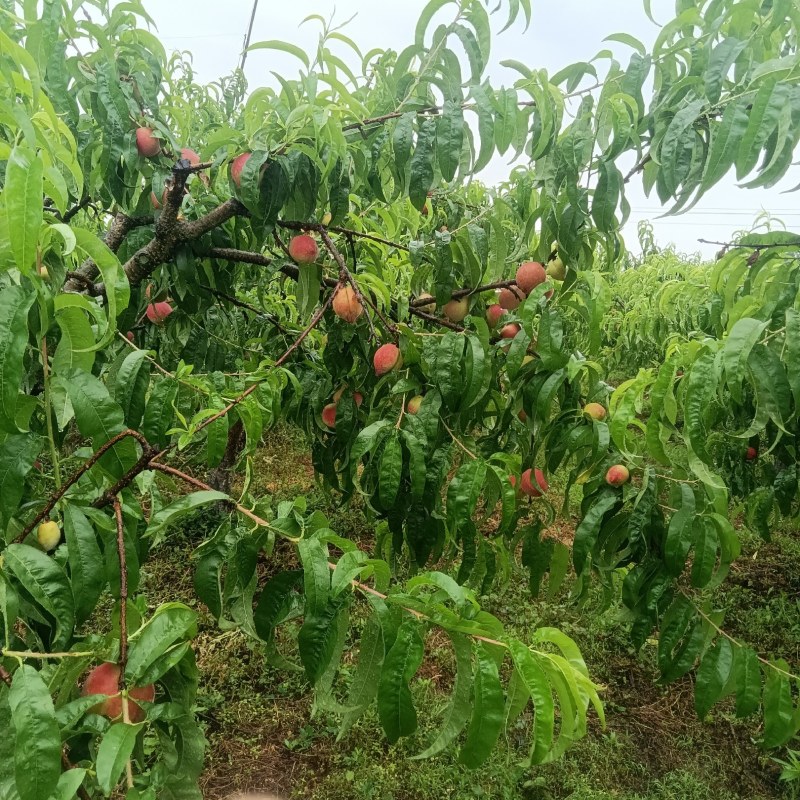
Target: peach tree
(183, 265)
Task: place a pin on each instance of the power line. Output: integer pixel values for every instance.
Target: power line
(247, 35)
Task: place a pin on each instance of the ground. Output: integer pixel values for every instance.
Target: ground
(261, 733)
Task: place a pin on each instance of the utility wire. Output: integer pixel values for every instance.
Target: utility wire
(247, 35)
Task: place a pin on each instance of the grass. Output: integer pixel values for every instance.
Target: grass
(263, 733)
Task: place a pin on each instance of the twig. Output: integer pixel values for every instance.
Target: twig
(751, 246)
(32, 654)
(78, 474)
(457, 441)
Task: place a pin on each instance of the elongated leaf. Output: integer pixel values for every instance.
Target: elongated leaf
(114, 751)
(319, 638)
(487, 713)
(395, 704)
(272, 600)
(421, 166)
(45, 581)
(457, 713)
(14, 305)
(364, 686)
(131, 385)
(589, 528)
(23, 195)
(87, 575)
(679, 535)
(17, 455)
(37, 739)
(449, 138)
(170, 514)
(738, 344)
(317, 575)
(712, 676)
(747, 676)
(391, 471)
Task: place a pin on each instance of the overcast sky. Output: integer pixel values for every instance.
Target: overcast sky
(560, 33)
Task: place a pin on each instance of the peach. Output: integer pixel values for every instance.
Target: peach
(494, 314)
(49, 535)
(595, 411)
(510, 331)
(189, 155)
(430, 307)
(345, 303)
(527, 487)
(329, 415)
(529, 275)
(752, 454)
(105, 680)
(456, 310)
(509, 299)
(387, 358)
(237, 165)
(157, 313)
(146, 143)
(413, 405)
(617, 475)
(303, 249)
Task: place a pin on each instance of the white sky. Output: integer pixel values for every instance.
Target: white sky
(560, 33)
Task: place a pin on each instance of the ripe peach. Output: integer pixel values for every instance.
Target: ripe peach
(387, 358)
(237, 165)
(509, 299)
(617, 475)
(595, 411)
(529, 275)
(157, 313)
(346, 305)
(456, 310)
(527, 487)
(510, 331)
(413, 405)
(303, 249)
(493, 315)
(105, 680)
(752, 454)
(146, 143)
(129, 336)
(189, 155)
(358, 399)
(522, 416)
(329, 415)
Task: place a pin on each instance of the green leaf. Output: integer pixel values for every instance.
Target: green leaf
(158, 413)
(15, 303)
(780, 724)
(672, 142)
(725, 140)
(99, 418)
(391, 471)
(317, 575)
(395, 704)
(130, 386)
(73, 349)
(424, 20)
(606, 196)
(85, 559)
(736, 350)
(115, 280)
(285, 47)
(589, 528)
(763, 117)
(679, 533)
(318, 638)
(450, 138)
(170, 514)
(37, 739)
(421, 166)
(464, 491)
(747, 680)
(538, 688)
(457, 712)
(23, 192)
(115, 749)
(487, 713)
(721, 60)
(171, 625)
(364, 685)
(18, 453)
(45, 581)
(273, 600)
(712, 676)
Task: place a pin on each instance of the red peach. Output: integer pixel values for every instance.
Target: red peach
(530, 275)
(493, 315)
(345, 303)
(752, 454)
(413, 405)
(237, 165)
(527, 486)
(387, 358)
(105, 680)
(509, 299)
(456, 310)
(617, 475)
(595, 411)
(157, 313)
(329, 415)
(146, 143)
(303, 249)
(510, 331)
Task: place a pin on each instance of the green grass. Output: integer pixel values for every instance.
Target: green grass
(263, 735)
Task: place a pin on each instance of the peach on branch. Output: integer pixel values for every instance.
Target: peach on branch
(510, 331)
(413, 405)
(387, 358)
(509, 299)
(303, 249)
(187, 154)
(530, 488)
(752, 454)
(48, 535)
(556, 269)
(456, 310)
(346, 305)
(617, 475)
(595, 411)
(146, 143)
(157, 313)
(237, 165)
(494, 314)
(529, 275)
(428, 308)
(329, 415)
(104, 679)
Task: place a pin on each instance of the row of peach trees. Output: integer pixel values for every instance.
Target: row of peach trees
(182, 266)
